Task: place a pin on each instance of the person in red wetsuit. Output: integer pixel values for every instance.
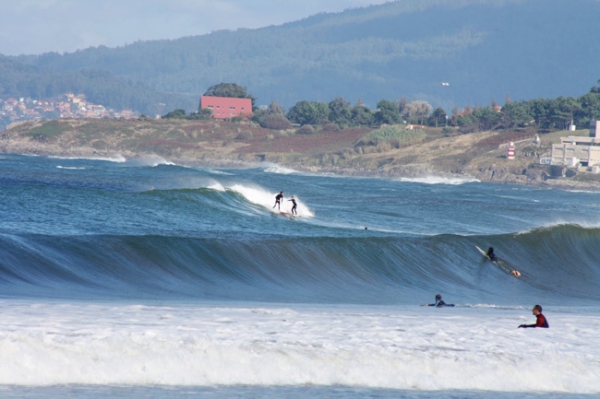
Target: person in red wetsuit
(541, 319)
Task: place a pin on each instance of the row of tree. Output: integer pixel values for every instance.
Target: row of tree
(555, 113)
(542, 113)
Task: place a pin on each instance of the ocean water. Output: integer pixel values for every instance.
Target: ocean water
(145, 279)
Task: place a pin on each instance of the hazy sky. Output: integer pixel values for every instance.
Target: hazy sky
(37, 26)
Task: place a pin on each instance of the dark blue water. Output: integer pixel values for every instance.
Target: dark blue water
(98, 229)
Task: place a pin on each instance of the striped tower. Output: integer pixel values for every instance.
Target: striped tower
(511, 150)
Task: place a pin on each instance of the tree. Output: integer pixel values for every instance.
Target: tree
(438, 117)
(202, 114)
(230, 90)
(275, 108)
(272, 117)
(419, 110)
(539, 109)
(516, 114)
(563, 110)
(590, 104)
(309, 113)
(340, 111)
(227, 90)
(402, 105)
(486, 118)
(176, 114)
(387, 112)
(361, 116)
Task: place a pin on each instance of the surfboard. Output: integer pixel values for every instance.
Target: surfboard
(515, 273)
(482, 252)
(289, 215)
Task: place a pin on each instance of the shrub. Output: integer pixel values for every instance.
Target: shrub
(275, 121)
(331, 127)
(245, 135)
(394, 135)
(306, 129)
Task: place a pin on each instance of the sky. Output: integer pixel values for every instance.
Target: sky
(39, 26)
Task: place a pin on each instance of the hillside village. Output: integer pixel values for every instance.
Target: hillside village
(67, 106)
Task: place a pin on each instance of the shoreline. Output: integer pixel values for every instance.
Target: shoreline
(217, 144)
(430, 173)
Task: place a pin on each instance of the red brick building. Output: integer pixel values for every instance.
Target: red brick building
(227, 107)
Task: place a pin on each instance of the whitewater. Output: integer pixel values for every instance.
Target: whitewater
(145, 279)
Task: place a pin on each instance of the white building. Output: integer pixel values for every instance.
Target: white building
(580, 152)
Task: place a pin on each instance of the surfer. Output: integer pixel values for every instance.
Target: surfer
(490, 254)
(540, 319)
(439, 302)
(294, 211)
(278, 199)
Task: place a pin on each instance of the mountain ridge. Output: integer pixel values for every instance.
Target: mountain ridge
(485, 49)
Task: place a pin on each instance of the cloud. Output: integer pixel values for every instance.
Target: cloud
(37, 26)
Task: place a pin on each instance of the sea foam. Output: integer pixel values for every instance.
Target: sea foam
(439, 180)
(266, 199)
(410, 348)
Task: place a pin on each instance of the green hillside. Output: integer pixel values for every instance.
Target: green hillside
(485, 50)
(100, 87)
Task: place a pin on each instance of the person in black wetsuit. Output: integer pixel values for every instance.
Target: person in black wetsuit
(439, 302)
(294, 211)
(540, 319)
(490, 253)
(278, 199)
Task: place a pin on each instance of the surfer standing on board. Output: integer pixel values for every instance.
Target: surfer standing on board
(294, 211)
(278, 199)
(540, 319)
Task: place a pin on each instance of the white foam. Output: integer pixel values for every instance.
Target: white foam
(410, 348)
(439, 180)
(266, 199)
(153, 160)
(219, 172)
(589, 224)
(216, 186)
(71, 167)
(116, 159)
(274, 168)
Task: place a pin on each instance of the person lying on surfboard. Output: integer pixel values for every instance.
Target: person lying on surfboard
(294, 211)
(540, 319)
(490, 254)
(278, 199)
(439, 302)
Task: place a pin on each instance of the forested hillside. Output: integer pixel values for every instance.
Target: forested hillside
(484, 49)
(100, 87)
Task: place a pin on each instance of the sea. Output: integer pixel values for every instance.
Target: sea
(142, 278)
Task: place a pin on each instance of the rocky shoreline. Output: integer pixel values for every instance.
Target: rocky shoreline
(463, 157)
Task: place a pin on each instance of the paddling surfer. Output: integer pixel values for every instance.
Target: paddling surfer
(439, 302)
(278, 199)
(293, 201)
(540, 319)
